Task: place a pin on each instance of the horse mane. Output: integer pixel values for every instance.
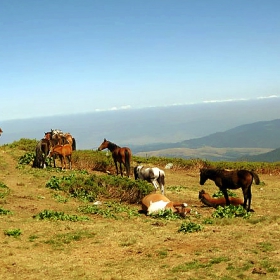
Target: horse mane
(207, 200)
(112, 145)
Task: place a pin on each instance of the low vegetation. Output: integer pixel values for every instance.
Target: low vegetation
(86, 224)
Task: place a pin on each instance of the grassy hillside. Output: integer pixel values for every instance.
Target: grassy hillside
(51, 228)
(206, 153)
(262, 135)
(272, 156)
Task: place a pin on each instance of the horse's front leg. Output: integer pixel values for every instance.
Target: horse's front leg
(247, 194)
(224, 191)
(116, 165)
(154, 182)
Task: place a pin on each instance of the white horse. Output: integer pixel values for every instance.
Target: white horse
(153, 175)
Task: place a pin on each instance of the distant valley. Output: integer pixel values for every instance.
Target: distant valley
(218, 131)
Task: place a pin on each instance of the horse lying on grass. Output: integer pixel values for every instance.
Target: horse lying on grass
(153, 203)
(207, 200)
(153, 175)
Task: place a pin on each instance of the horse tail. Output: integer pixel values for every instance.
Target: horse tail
(74, 144)
(127, 161)
(256, 177)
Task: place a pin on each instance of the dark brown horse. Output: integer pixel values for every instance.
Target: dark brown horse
(1, 131)
(235, 179)
(41, 152)
(120, 155)
(63, 151)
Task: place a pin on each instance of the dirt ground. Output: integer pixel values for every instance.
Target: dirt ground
(140, 247)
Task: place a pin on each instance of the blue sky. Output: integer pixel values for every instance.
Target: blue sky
(65, 56)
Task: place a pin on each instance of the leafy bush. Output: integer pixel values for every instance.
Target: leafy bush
(190, 227)
(220, 194)
(166, 214)
(4, 190)
(113, 210)
(4, 211)
(231, 211)
(58, 216)
(90, 187)
(13, 232)
(26, 158)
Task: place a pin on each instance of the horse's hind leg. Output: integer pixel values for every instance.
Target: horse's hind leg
(154, 182)
(161, 186)
(121, 169)
(70, 162)
(116, 165)
(247, 194)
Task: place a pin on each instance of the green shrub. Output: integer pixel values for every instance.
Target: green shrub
(4, 211)
(90, 187)
(231, 211)
(190, 227)
(58, 216)
(110, 209)
(13, 232)
(26, 158)
(220, 194)
(166, 214)
(4, 190)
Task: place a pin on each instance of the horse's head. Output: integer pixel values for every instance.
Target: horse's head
(201, 193)
(48, 135)
(137, 171)
(103, 145)
(203, 176)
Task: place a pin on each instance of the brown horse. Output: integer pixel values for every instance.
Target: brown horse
(1, 131)
(120, 155)
(63, 151)
(225, 179)
(206, 199)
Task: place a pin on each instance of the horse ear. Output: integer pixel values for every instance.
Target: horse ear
(105, 140)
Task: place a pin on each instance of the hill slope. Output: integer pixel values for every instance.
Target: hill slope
(272, 156)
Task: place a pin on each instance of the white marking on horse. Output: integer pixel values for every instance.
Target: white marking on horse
(156, 206)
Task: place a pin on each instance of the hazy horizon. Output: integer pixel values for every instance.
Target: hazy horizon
(144, 126)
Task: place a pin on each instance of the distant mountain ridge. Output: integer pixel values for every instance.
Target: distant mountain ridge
(264, 134)
(246, 142)
(227, 125)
